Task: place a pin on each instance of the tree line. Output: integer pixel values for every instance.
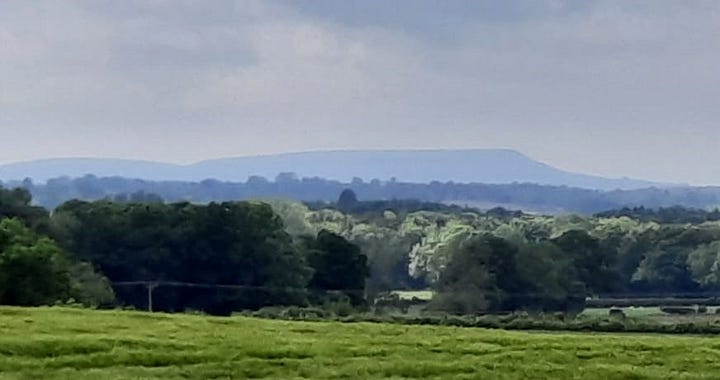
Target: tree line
(502, 261)
(252, 254)
(85, 251)
(529, 197)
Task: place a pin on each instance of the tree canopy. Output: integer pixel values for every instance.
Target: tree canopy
(225, 256)
(33, 270)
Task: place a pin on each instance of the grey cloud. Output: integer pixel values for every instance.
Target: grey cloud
(612, 87)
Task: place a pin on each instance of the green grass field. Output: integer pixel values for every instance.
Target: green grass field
(52, 343)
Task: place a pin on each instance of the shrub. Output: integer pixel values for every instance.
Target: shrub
(269, 312)
(616, 312)
(89, 287)
(339, 308)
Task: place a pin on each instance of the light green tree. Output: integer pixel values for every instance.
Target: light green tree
(704, 264)
(33, 270)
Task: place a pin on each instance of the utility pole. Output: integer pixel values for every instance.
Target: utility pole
(150, 287)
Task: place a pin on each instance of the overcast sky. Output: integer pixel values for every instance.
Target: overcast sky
(616, 88)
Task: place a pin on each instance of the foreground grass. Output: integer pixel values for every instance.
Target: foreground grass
(50, 343)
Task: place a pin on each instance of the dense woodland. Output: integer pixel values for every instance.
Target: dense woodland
(527, 197)
(222, 257)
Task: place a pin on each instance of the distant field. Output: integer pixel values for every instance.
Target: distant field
(424, 295)
(637, 312)
(654, 314)
(52, 343)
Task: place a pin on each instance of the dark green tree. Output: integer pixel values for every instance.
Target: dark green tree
(549, 279)
(241, 247)
(347, 200)
(596, 266)
(488, 274)
(480, 276)
(17, 203)
(338, 265)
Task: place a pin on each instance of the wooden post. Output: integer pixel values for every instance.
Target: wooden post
(150, 287)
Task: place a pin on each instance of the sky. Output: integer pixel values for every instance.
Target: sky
(613, 88)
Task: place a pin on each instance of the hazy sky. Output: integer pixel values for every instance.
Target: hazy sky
(617, 88)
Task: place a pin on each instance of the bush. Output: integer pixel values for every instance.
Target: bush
(269, 312)
(340, 308)
(616, 313)
(89, 287)
(304, 313)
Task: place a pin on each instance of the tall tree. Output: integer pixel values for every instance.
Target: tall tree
(338, 265)
(664, 271)
(704, 264)
(17, 203)
(595, 265)
(479, 276)
(238, 244)
(347, 200)
(33, 270)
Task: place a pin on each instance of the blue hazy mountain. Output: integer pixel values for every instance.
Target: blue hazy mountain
(494, 166)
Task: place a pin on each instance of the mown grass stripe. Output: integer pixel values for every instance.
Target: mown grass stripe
(109, 345)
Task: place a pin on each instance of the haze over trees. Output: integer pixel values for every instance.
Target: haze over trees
(527, 197)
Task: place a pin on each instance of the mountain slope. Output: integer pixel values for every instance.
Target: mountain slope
(420, 166)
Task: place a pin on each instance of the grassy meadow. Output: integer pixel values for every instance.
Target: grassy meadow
(56, 343)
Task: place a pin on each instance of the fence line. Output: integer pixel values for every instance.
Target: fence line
(152, 285)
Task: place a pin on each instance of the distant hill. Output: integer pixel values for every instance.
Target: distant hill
(491, 166)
